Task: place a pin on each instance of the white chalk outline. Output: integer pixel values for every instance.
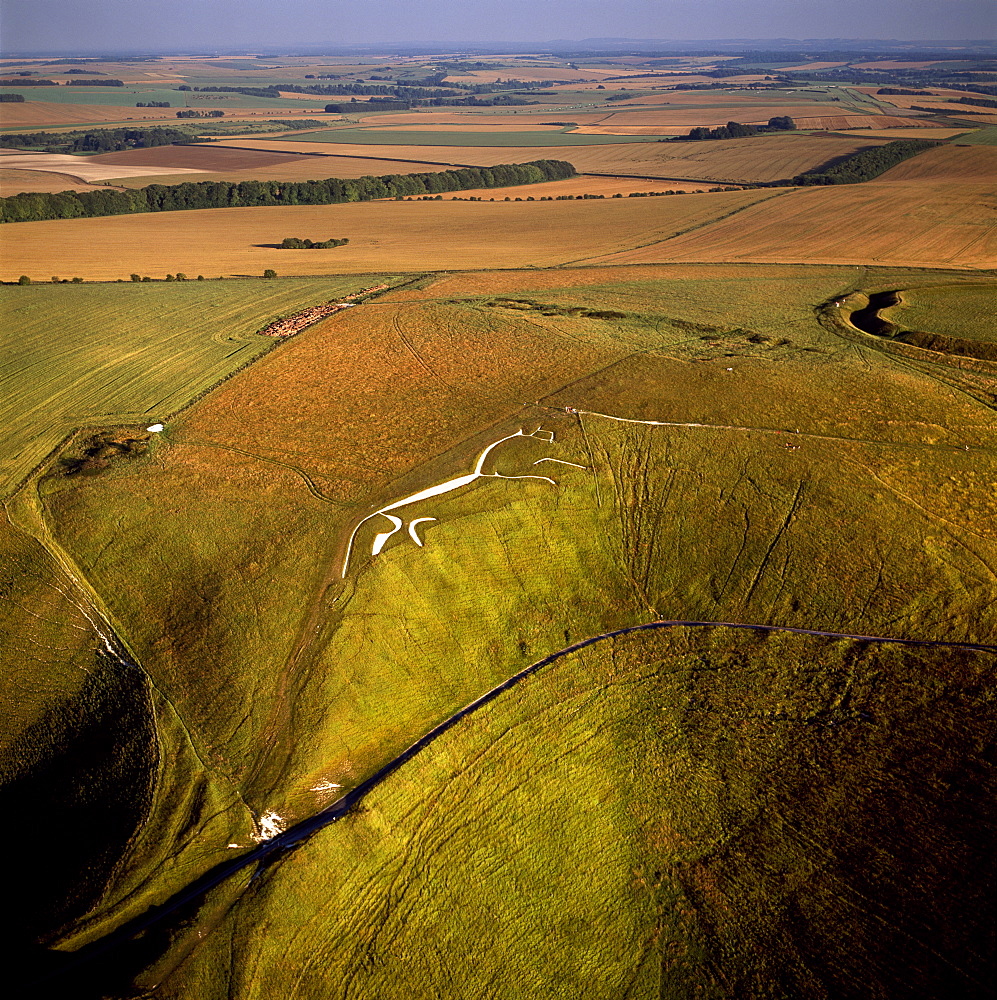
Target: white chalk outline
(411, 529)
(434, 491)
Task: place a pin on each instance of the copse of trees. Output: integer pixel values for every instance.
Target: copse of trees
(36, 206)
(27, 82)
(374, 104)
(11, 98)
(98, 140)
(194, 113)
(866, 164)
(293, 243)
(737, 130)
(152, 104)
(95, 83)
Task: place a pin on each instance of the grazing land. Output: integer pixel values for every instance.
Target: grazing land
(128, 355)
(950, 310)
(241, 572)
(776, 425)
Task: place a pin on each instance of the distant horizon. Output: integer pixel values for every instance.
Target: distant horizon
(485, 47)
(41, 27)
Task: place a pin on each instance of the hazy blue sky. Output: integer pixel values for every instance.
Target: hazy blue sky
(104, 25)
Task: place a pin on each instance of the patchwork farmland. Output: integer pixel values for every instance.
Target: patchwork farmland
(595, 601)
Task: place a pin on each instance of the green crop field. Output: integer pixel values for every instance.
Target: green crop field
(125, 96)
(981, 137)
(679, 809)
(98, 95)
(560, 420)
(98, 354)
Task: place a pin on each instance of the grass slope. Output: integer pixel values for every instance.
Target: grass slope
(128, 354)
(716, 807)
(951, 310)
(644, 821)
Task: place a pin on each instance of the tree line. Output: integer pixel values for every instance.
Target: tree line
(97, 141)
(37, 206)
(980, 102)
(865, 164)
(737, 130)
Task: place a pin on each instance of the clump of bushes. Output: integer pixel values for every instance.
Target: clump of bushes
(294, 243)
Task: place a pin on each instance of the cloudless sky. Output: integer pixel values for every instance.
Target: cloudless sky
(157, 25)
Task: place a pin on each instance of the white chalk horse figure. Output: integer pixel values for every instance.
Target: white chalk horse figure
(448, 487)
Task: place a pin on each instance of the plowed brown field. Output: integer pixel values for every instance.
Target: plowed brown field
(14, 180)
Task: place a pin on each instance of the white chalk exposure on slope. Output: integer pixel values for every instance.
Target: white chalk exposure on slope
(380, 539)
(448, 487)
(560, 461)
(270, 825)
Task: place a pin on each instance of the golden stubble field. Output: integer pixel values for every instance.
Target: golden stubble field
(45, 114)
(909, 223)
(952, 163)
(412, 236)
(754, 160)
(928, 222)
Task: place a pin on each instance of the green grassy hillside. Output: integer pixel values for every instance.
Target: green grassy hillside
(101, 354)
(705, 813)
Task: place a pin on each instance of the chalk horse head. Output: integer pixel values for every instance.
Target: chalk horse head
(395, 514)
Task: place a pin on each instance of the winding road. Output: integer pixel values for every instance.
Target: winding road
(270, 850)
